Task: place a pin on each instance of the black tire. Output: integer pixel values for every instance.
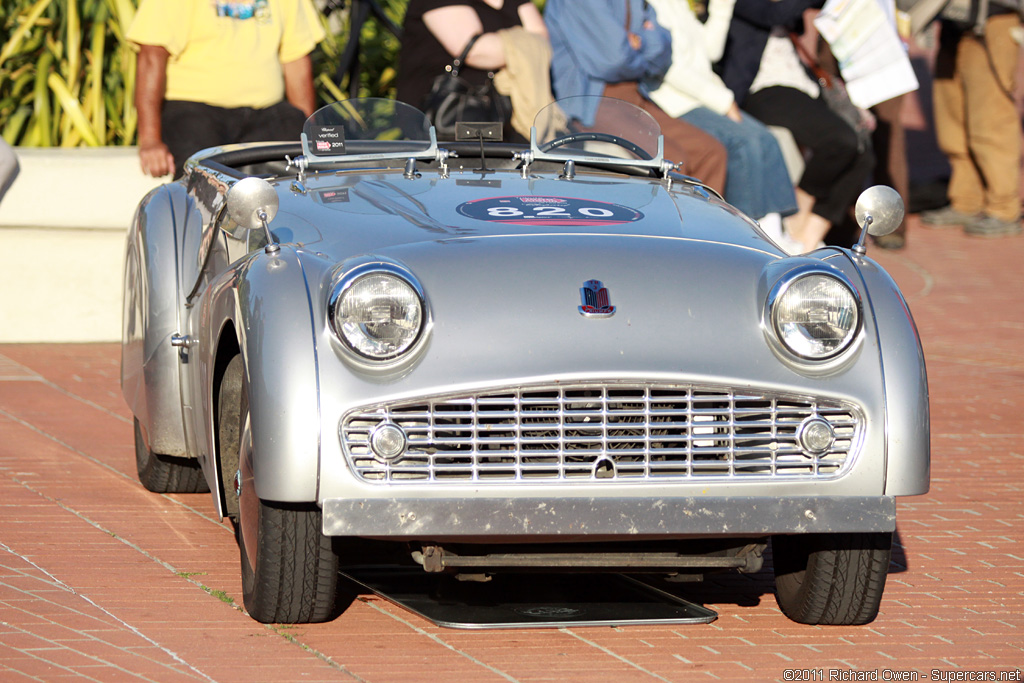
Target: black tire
(229, 428)
(167, 473)
(292, 574)
(834, 579)
(295, 580)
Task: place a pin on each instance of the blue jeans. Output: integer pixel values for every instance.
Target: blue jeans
(757, 181)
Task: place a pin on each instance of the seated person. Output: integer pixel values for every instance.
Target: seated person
(612, 48)
(757, 181)
(761, 66)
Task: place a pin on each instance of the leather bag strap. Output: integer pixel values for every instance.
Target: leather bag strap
(823, 76)
(461, 59)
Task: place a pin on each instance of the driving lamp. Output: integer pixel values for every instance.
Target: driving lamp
(387, 441)
(816, 435)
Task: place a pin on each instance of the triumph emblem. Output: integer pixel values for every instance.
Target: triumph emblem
(595, 300)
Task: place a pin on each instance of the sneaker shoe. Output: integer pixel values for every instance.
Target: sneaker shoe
(990, 226)
(946, 217)
(894, 240)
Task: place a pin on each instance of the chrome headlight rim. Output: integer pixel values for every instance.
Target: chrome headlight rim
(772, 326)
(344, 283)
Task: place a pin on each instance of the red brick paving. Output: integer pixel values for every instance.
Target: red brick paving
(103, 581)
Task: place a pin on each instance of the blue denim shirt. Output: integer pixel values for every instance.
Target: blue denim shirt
(590, 48)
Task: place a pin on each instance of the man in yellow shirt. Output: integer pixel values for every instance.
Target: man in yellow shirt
(212, 72)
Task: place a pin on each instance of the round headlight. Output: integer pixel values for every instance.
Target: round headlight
(816, 316)
(379, 315)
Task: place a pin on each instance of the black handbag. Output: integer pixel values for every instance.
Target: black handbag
(452, 99)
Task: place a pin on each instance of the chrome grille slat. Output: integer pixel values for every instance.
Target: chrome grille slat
(592, 432)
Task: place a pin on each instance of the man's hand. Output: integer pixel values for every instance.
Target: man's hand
(156, 159)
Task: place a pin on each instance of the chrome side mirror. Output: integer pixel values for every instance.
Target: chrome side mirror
(879, 211)
(252, 204)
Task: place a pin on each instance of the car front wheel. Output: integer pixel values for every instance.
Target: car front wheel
(291, 577)
(289, 567)
(834, 579)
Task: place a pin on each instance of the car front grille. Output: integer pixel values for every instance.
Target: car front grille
(629, 432)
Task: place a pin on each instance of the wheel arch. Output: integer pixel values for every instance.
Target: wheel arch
(149, 364)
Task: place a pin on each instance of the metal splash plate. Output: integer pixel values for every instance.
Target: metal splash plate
(530, 600)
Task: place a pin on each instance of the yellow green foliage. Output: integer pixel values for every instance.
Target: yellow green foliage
(66, 75)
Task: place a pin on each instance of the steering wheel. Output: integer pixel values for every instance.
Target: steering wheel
(600, 137)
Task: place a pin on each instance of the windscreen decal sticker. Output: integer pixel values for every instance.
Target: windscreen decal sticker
(327, 140)
(549, 211)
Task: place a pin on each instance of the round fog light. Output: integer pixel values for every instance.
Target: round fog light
(816, 435)
(387, 441)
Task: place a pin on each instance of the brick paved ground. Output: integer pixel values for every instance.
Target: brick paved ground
(103, 581)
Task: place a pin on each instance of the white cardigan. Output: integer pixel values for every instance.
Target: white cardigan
(690, 82)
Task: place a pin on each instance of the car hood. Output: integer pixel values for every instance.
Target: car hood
(508, 307)
(345, 215)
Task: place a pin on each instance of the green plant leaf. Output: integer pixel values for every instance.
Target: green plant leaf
(11, 46)
(71, 106)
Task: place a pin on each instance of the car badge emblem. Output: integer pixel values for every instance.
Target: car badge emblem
(595, 300)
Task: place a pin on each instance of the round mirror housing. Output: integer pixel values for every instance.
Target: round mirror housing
(879, 209)
(252, 202)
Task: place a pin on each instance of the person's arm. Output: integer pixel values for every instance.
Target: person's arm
(596, 34)
(716, 28)
(656, 44)
(298, 84)
(531, 19)
(150, 86)
(454, 25)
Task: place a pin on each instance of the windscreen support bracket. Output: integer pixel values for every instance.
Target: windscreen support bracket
(483, 130)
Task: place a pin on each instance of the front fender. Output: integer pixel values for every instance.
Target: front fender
(278, 343)
(908, 422)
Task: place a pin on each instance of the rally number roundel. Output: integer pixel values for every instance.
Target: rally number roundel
(533, 210)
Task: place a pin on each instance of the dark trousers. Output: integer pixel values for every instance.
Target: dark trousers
(189, 127)
(836, 171)
(890, 143)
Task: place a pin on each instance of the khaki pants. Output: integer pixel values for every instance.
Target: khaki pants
(976, 119)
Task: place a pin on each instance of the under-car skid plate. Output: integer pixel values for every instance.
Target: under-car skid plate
(529, 600)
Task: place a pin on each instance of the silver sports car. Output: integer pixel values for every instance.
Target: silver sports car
(490, 357)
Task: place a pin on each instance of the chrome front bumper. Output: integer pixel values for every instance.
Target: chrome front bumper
(535, 518)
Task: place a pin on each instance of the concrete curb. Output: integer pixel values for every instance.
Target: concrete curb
(64, 219)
